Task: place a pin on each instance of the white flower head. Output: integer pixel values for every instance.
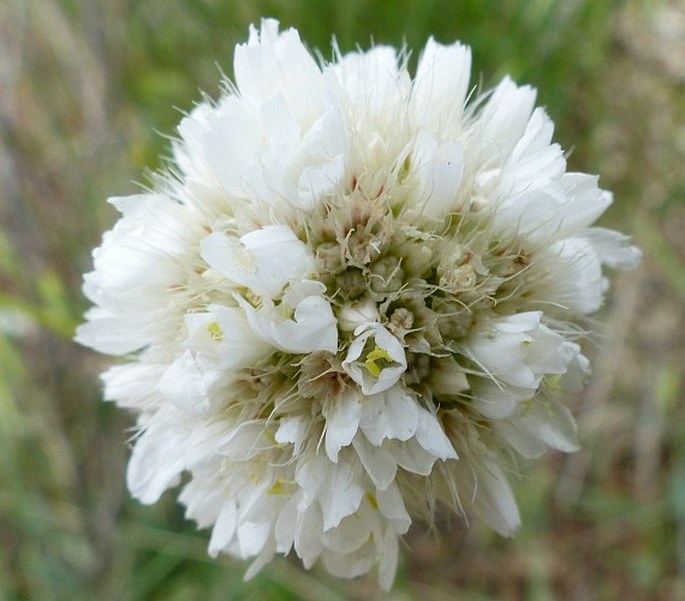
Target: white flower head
(356, 285)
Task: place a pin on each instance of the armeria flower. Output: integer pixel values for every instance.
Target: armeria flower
(355, 300)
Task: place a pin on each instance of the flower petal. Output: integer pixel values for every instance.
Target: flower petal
(264, 260)
(342, 423)
(392, 414)
(313, 326)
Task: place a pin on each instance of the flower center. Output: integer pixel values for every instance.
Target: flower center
(377, 360)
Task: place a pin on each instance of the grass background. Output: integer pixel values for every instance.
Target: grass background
(87, 86)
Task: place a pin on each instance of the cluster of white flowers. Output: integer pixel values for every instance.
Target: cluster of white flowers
(355, 299)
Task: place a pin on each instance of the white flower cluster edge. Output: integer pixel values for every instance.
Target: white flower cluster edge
(353, 299)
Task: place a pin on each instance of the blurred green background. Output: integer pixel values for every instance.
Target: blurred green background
(88, 91)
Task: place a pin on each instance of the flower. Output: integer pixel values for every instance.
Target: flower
(355, 300)
(383, 364)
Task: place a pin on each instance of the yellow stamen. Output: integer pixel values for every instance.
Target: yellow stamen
(215, 332)
(280, 487)
(527, 405)
(377, 354)
(372, 500)
(553, 381)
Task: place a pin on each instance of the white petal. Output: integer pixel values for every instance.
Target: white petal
(520, 438)
(371, 82)
(349, 565)
(503, 119)
(350, 317)
(318, 180)
(518, 350)
(577, 281)
(312, 328)
(156, 464)
(391, 505)
(264, 261)
(265, 556)
(136, 269)
(291, 430)
(379, 463)
(133, 385)
(224, 529)
(348, 536)
(308, 545)
(534, 161)
(499, 347)
(432, 438)
(320, 158)
(613, 248)
(542, 212)
(440, 86)
(447, 378)
(553, 424)
(223, 337)
(586, 201)
(242, 442)
(411, 456)
(186, 384)
(577, 374)
(273, 62)
(498, 401)
(342, 423)
(494, 501)
(335, 487)
(230, 144)
(340, 497)
(287, 524)
(387, 568)
(252, 538)
(203, 503)
(390, 414)
(439, 171)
